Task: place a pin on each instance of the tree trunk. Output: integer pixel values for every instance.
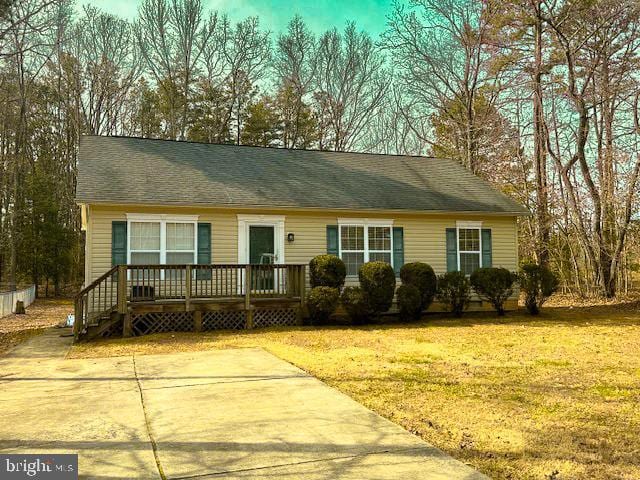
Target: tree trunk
(540, 152)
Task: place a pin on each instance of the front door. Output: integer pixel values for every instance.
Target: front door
(262, 251)
(261, 244)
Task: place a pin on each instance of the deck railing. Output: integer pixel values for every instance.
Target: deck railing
(138, 283)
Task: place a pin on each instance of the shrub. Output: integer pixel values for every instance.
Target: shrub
(327, 271)
(355, 304)
(409, 301)
(454, 291)
(494, 285)
(322, 302)
(538, 283)
(422, 276)
(378, 281)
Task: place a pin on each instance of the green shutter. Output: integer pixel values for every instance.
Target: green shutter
(204, 249)
(398, 249)
(332, 240)
(118, 243)
(486, 248)
(452, 250)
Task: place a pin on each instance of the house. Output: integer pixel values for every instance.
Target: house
(159, 202)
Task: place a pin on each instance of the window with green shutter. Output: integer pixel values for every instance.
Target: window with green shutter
(118, 243)
(204, 250)
(398, 249)
(487, 248)
(452, 250)
(360, 241)
(332, 240)
(468, 248)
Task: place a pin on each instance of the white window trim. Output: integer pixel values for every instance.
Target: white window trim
(163, 220)
(469, 225)
(365, 223)
(371, 222)
(246, 221)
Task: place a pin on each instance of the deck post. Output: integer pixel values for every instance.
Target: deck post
(127, 330)
(122, 300)
(77, 322)
(122, 289)
(247, 297)
(303, 283)
(197, 321)
(187, 288)
(291, 279)
(303, 286)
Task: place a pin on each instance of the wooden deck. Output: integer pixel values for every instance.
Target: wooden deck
(142, 299)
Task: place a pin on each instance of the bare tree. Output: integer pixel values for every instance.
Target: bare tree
(389, 132)
(599, 46)
(247, 52)
(353, 80)
(295, 68)
(105, 49)
(438, 50)
(31, 44)
(172, 36)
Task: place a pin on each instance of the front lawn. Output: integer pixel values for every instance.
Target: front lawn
(555, 397)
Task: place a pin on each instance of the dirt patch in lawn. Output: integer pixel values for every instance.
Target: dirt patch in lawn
(554, 397)
(40, 315)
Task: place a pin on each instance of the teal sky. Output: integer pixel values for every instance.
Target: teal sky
(320, 15)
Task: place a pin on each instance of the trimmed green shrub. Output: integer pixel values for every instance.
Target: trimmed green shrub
(378, 281)
(322, 302)
(422, 276)
(493, 285)
(537, 283)
(327, 271)
(355, 304)
(409, 302)
(454, 290)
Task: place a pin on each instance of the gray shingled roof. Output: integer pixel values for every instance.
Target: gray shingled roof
(134, 170)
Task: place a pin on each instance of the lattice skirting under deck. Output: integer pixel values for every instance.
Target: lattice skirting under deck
(156, 322)
(274, 317)
(224, 320)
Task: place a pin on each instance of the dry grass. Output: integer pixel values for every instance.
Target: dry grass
(15, 329)
(554, 397)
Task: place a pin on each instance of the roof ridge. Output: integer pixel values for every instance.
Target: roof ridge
(129, 137)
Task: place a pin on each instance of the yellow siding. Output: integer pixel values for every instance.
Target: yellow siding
(424, 234)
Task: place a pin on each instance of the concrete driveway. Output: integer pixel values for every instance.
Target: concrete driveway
(241, 414)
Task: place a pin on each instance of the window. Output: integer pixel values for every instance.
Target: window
(180, 243)
(352, 251)
(159, 239)
(469, 250)
(362, 243)
(145, 243)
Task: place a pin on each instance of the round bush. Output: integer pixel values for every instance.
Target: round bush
(378, 281)
(322, 302)
(421, 276)
(494, 285)
(454, 292)
(355, 304)
(537, 283)
(409, 302)
(327, 271)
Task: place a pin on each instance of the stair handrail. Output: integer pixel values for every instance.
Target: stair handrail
(78, 301)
